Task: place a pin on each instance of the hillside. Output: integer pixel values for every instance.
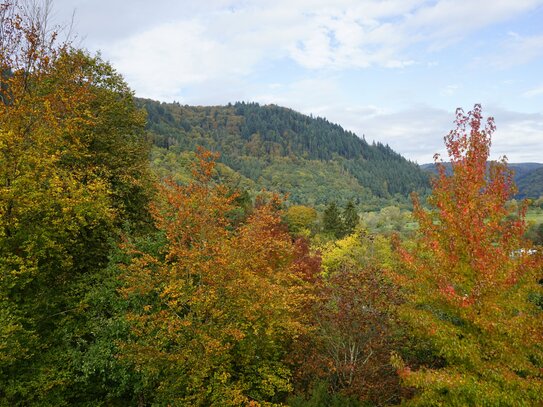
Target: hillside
(530, 185)
(528, 177)
(278, 149)
(524, 169)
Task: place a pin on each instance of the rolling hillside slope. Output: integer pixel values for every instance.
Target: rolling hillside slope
(276, 148)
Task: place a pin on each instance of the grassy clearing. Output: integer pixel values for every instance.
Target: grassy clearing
(534, 215)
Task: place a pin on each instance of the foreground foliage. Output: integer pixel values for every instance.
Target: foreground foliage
(72, 169)
(470, 279)
(217, 310)
(211, 295)
(355, 326)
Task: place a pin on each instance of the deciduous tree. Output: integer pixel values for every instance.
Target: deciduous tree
(355, 328)
(301, 219)
(72, 162)
(214, 316)
(469, 283)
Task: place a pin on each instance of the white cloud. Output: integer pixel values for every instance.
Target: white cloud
(417, 133)
(310, 96)
(519, 135)
(226, 38)
(538, 91)
(446, 21)
(210, 52)
(518, 50)
(450, 90)
(160, 62)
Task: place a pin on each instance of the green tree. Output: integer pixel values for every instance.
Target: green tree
(72, 163)
(331, 221)
(301, 219)
(350, 217)
(469, 281)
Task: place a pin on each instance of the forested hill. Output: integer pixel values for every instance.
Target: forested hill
(276, 148)
(530, 185)
(527, 176)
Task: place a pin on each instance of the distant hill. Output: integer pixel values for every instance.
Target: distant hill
(523, 169)
(530, 185)
(278, 149)
(528, 177)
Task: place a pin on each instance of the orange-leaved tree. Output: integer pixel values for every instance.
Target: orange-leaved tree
(470, 279)
(215, 312)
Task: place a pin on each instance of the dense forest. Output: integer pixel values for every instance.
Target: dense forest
(530, 185)
(527, 177)
(310, 159)
(133, 276)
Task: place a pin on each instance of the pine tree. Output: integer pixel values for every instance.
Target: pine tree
(350, 217)
(332, 223)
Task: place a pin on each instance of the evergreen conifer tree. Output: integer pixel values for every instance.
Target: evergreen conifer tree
(332, 222)
(350, 217)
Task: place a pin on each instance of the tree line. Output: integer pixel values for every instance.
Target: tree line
(261, 142)
(121, 288)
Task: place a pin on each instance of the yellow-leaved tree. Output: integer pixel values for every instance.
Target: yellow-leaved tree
(73, 161)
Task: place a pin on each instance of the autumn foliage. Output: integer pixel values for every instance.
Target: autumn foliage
(218, 308)
(469, 281)
(73, 167)
(204, 298)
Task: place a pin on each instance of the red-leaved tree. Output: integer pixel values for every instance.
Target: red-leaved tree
(471, 280)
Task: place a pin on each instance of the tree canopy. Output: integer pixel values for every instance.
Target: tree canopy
(73, 169)
(470, 280)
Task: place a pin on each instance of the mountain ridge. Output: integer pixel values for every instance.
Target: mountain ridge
(309, 158)
(313, 160)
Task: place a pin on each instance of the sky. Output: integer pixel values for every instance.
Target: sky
(393, 71)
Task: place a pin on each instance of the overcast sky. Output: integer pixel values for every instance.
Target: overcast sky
(392, 70)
